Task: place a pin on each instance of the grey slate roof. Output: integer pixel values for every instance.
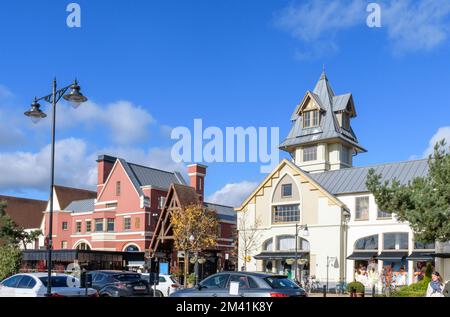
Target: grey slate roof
(84, 205)
(225, 213)
(353, 180)
(329, 127)
(148, 176)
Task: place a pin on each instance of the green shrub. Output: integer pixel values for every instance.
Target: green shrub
(418, 289)
(355, 287)
(191, 278)
(10, 258)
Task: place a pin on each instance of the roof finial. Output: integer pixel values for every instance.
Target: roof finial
(323, 76)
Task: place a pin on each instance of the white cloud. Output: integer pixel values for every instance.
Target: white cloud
(416, 25)
(154, 157)
(411, 25)
(233, 194)
(442, 133)
(23, 170)
(126, 122)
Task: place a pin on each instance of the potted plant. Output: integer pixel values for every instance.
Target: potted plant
(191, 280)
(356, 289)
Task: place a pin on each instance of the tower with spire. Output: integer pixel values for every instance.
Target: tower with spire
(321, 137)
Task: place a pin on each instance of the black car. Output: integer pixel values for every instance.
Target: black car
(119, 284)
(251, 284)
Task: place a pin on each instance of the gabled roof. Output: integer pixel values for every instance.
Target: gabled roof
(329, 127)
(26, 213)
(353, 180)
(148, 176)
(299, 171)
(78, 206)
(66, 195)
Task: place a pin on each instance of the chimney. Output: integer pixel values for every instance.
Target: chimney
(197, 173)
(105, 164)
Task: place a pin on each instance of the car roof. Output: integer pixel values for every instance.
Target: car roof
(42, 274)
(254, 274)
(113, 272)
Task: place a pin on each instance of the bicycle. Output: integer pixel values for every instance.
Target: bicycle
(311, 284)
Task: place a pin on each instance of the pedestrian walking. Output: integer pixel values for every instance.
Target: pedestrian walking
(436, 286)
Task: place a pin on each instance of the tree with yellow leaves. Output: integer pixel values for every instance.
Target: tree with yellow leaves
(195, 228)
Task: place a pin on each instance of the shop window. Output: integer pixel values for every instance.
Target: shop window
(286, 243)
(367, 243)
(395, 241)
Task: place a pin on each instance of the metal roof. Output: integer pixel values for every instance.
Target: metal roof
(353, 180)
(329, 127)
(225, 213)
(84, 205)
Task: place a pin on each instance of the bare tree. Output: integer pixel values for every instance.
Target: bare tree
(249, 236)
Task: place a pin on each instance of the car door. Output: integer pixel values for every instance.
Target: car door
(214, 286)
(25, 287)
(98, 281)
(8, 286)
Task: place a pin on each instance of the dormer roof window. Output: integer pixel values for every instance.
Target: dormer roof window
(311, 119)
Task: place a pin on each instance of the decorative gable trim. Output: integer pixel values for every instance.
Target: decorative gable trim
(296, 171)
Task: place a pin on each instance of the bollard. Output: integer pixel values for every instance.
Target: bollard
(324, 291)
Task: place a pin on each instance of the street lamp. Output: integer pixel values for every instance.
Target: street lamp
(191, 239)
(35, 113)
(305, 233)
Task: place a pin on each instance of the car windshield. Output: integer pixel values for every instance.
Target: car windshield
(280, 282)
(57, 281)
(127, 277)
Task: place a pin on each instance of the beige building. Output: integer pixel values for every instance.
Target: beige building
(320, 189)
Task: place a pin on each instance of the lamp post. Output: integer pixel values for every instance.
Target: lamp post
(305, 233)
(75, 98)
(192, 239)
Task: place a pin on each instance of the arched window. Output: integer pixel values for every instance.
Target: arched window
(367, 243)
(286, 243)
(83, 246)
(132, 248)
(268, 245)
(395, 241)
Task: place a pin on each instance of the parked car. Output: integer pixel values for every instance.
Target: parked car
(250, 285)
(167, 284)
(35, 285)
(119, 284)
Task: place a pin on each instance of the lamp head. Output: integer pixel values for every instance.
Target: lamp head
(306, 231)
(35, 113)
(75, 97)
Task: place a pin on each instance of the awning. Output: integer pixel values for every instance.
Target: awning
(421, 256)
(362, 255)
(279, 255)
(442, 255)
(392, 255)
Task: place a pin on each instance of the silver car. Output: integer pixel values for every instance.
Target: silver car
(250, 285)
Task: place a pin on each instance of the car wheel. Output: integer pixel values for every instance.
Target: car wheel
(158, 294)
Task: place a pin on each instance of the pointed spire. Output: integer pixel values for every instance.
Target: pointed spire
(323, 75)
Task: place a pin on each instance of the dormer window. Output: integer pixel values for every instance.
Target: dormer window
(310, 119)
(345, 121)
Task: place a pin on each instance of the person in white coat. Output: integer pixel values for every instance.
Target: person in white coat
(436, 286)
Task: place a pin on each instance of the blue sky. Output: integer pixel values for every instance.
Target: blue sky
(149, 66)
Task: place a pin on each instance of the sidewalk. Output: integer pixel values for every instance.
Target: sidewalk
(328, 295)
